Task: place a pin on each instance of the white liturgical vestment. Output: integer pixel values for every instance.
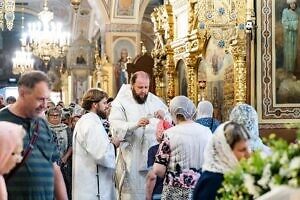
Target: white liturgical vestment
(93, 155)
(131, 169)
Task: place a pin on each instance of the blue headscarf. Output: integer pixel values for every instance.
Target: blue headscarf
(246, 115)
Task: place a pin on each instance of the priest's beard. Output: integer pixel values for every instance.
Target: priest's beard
(101, 114)
(138, 99)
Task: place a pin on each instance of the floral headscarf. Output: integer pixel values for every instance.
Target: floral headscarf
(218, 156)
(246, 115)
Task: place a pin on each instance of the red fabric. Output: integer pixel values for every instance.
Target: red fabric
(161, 127)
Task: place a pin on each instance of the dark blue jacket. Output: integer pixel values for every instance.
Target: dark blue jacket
(207, 186)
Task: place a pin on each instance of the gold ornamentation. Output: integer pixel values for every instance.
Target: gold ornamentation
(224, 21)
(98, 64)
(100, 74)
(162, 19)
(7, 14)
(192, 16)
(45, 38)
(171, 72)
(192, 77)
(240, 72)
(75, 4)
(228, 92)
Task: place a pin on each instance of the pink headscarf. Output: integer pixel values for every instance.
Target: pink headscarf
(11, 135)
(161, 127)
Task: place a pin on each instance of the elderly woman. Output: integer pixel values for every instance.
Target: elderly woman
(228, 145)
(180, 156)
(63, 137)
(246, 115)
(11, 146)
(205, 115)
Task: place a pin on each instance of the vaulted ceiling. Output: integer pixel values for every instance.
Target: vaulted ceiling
(92, 18)
(94, 14)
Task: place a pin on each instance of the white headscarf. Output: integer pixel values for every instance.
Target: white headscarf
(218, 156)
(205, 109)
(183, 106)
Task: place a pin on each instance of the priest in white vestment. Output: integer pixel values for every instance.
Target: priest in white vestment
(134, 116)
(93, 152)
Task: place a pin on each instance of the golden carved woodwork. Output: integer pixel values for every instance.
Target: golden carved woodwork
(240, 75)
(228, 92)
(222, 20)
(192, 77)
(162, 53)
(170, 71)
(103, 73)
(97, 72)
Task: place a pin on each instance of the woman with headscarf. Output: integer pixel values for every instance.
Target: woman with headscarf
(205, 115)
(246, 115)
(154, 184)
(11, 146)
(63, 138)
(180, 156)
(227, 147)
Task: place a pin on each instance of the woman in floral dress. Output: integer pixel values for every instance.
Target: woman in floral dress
(180, 155)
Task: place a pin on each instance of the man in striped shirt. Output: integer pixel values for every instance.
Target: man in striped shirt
(39, 176)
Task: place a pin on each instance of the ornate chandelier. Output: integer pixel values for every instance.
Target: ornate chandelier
(7, 9)
(22, 62)
(45, 38)
(75, 4)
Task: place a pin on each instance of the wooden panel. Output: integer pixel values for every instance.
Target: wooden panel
(143, 63)
(287, 134)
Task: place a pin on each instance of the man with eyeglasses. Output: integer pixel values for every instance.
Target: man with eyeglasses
(93, 151)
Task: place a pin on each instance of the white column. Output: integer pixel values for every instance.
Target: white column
(89, 81)
(70, 89)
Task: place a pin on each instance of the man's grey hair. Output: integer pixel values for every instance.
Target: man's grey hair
(30, 79)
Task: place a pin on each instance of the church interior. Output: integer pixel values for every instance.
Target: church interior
(224, 51)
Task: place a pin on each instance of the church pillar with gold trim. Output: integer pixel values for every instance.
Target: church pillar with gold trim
(158, 74)
(240, 72)
(171, 72)
(192, 77)
(238, 49)
(97, 72)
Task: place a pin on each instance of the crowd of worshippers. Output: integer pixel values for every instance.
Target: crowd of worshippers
(131, 147)
(7, 101)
